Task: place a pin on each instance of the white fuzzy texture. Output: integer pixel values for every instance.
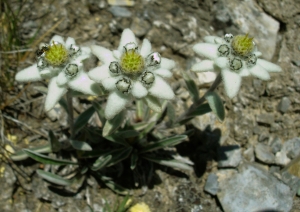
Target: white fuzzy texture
(206, 50)
(270, 67)
(54, 94)
(222, 62)
(29, 74)
(99, 73)
(204, 65)
(146, 48)
(167, 63)
(103, 54)
(59, 82)
(116, 102)
(259, 72)
(138, 90)
(127, 37)
(161, 89)
(232, 82)
(210, 39)
(163, 72)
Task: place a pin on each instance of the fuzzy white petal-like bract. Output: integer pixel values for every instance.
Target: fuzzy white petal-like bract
(232, 82)
(116, 102)
(110, 83)
(103, 54)
(259, 72)
(244, 72)
(213, 39)
(70, 41)
(126, 37)
(47, 73)
(28, 74)
(222, 62)
(163, 72)
(99, 73)
(204, 65)
(62, 79)
(206, 50)
(117, 54)
(270, 67)
(84, 84)
(167, 63)
(55, 92)
(161, 89)
(146, 48)
(57, 38)
(138, 90)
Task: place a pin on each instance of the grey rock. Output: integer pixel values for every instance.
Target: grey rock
(140, 26)
(265, 118)
(263, 137)
(292, 147)
(249, 154)
(120, 11)
(291, 180)
(253, 189)
(276, 145)
(229, 156)
(284, 104)
(264, 153)
(212, 185)
(7, 181)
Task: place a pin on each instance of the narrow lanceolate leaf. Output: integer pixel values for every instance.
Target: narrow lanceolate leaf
(133, 160)
(216, 104)
(112, 185)
(119, 155)
(55, 145)
(21, 155)
(53, 178)
(47, 160)
(101, 162)
(100, 111)
(191, 85)
(164, 143)
(171, 162)
(83, 119)
(149, 127)
(113, 124)
(171, 113)
(202, 109)
(80, 145)
(153, 103)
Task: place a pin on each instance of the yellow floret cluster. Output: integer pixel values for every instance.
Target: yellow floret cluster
(56, 55)
(132, 63)
(242, 45)
(140, 207)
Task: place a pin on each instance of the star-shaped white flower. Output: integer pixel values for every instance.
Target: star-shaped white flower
(61, 62)
(131, 72)
(235, 57)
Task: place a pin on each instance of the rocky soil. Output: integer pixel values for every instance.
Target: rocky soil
(247, 163)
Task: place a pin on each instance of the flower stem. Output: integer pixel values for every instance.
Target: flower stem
(200, 101)
(70, 114)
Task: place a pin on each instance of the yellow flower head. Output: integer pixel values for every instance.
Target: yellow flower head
(132, 62)
(242, 44)
(140, 207)
(56, 54)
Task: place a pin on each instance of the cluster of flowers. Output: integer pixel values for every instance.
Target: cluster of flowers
(132, 72)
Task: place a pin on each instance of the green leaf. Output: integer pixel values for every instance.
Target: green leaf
(202, 109)
(53, 178)
(133, 160)
(113, 124)
(150, 126)
(117, 139)
(216, 104)
(80, 145)
(54, 143)
(47, 160)
(91, 154)
(100, 111)
(127, 134)
(177, 139)
(83, 119)
(169, 162)
(140, 126)
(192, 87)
(119, 155)
(171, 113)
(21, 155)
(153, 103)
(112, 185)
(101, 162)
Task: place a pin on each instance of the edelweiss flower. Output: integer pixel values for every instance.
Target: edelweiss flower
(128, 72)
(61, 63)
(235, 57)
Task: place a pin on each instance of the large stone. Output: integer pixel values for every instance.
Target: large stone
(253, 189)
(284, 104)
(211, 185)
(265, 118)
(229, 156)
(264, 153)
